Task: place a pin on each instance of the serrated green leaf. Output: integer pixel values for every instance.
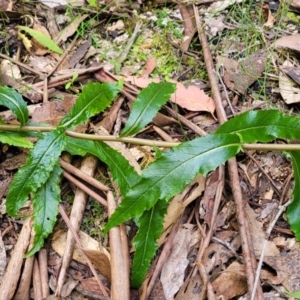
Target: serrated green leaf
(172, 171)
(14, 101)
(263, 126)
(146, 106)
(293, 210)
(40, 162)
(45, 204)
(123, 173)
(95, 98)
(14, 139)
(150, 228)
(42, 39)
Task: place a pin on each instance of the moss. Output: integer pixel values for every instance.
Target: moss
(293, 17)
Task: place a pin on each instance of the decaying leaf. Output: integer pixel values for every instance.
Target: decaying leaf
(172, 274)
(240, 75)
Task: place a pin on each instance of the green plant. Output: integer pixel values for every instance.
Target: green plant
(71, 82)
(145, 196)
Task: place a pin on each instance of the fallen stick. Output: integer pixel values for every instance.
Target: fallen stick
(88, 166)
(120, 284)
(12, 273)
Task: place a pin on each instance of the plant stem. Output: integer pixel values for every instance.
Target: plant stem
(143, 142)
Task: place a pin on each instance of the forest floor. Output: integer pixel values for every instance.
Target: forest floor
(225, 235)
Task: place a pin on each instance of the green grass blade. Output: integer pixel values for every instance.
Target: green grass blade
(95, 98)
(14, 101)
(263, 126)
(150, 228)
(40, 162)
(123, 173)
(14, 139)
(172, 171)
(45, 204)
(146, 106)
(42, 39)
(293, 211)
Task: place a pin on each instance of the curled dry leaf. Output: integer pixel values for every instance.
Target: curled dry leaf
(191, 98)
(268, 16)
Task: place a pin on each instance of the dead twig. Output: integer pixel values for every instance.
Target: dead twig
(89, 179)
(25, 280)
(43, 264)
(120, 284)
(12, 273)
(41, 75)
(206, 283)
(36, 279)
(185, 121)
(88, 166)
(85, 189)
(264, 172)
(125, 52)
(80, 247)
(249, 257)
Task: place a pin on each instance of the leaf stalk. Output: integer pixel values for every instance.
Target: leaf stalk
(142, 142)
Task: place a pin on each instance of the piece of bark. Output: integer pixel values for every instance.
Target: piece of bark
(12, 273)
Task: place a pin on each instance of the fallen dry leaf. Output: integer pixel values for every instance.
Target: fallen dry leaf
(286, 263)
(289, 92)
(291, 42)
(90, 245)
(295, 4)
(70, 29)
(100, 261)
(191, 98)
(149, 67)
(172, 274)
(292, 72)
(232, 282)
(53, 112)
(258, 235)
